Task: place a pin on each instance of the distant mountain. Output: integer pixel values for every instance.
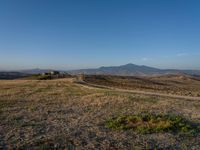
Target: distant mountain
(12, 75)
(21, 73)
(24, 73)
(35, 71)
(124, 70)
(134, 70)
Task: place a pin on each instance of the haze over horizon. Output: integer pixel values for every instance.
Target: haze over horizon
(79, 34)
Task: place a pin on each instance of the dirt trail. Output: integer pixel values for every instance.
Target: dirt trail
(94, 86)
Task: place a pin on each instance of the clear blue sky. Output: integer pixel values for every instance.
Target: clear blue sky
(71, 34)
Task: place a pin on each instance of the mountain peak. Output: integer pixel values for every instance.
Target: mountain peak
(134, 70)
(130, 64)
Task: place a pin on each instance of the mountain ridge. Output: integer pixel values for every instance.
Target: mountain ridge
(133, 70)
(122, 70)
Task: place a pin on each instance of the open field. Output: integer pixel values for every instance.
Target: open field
(44, 114)
(169, 84)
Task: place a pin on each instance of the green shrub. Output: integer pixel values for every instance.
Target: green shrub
(153, 123)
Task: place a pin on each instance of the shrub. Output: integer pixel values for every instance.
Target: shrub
(153, 123)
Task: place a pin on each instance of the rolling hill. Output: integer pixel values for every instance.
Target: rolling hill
(134, 70)
(123, 70)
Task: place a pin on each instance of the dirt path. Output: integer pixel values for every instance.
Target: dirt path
(94, 86)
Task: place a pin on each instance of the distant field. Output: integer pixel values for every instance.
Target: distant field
(44, 114)
(169, 84)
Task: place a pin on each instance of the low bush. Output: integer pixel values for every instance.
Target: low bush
(153, 123)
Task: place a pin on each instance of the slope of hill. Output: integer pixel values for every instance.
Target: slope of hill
(184, 85)
(134, 70)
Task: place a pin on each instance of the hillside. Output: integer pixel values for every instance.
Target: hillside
(133, 70)
(184, 85)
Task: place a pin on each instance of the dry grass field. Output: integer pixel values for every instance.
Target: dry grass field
(168, 84)
(61, 114)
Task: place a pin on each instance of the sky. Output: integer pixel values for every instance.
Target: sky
(74, 34)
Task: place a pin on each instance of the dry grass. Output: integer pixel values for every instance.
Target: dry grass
(174, 84)
(61, 114)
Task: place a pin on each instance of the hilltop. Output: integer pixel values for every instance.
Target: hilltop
(134, 70)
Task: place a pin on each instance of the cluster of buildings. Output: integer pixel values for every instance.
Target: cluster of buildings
(51, 73)
(55, 75)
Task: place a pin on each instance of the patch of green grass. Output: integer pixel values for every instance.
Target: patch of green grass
(153, 123)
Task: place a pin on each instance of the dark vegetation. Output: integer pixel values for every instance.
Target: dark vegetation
(12, 75)
(38, 76)
(154, 123)
(47, 76)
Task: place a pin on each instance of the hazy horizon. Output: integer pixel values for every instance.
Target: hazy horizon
(90, 68)
(67, 35)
